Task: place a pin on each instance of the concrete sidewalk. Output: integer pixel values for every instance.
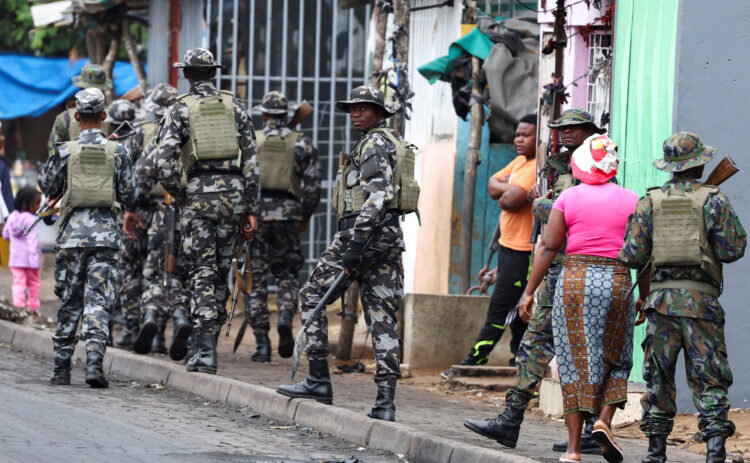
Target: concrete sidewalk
(430, 423)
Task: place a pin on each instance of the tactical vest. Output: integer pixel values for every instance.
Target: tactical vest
(91, 175)
(349, 200)
(680, 237)
(74, 127)
(563, 182)
(277, 163)
(150, 130)
(213, 134)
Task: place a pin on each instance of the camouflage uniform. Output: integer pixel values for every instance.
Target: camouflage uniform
(92, 76)
(683, 318)
(276, 247)
(88, 240)
(218, 196)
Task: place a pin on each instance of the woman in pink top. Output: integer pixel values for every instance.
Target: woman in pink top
(593, 313)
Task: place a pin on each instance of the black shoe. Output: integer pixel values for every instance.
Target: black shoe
(145, 338)
(262, 348)
(157, 345)
(384, 408)
(127, 340)
(657, 449)
(316, 386)
(61, 372)
(504, 429)
(180, 335)
(95, 370)
(715, 451)
(286, 339)
(588, 444)
(204, 360)
(192, 346)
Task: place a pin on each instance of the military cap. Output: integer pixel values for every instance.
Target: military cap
(575, 117)
(365, 94)
(158, 99)
(198, 58)
(90, 101)
(120, 111)
(92, 75)
(274, 102)
(682, 151)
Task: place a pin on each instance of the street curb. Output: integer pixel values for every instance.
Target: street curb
(416, 445)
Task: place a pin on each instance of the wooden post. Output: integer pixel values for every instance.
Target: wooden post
(109, 64)
(560, 38)
(377, 58)
(133, 55)
(401, 21)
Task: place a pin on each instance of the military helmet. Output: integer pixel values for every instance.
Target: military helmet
(274, 102)
(198, 58)
(158, 99)
(92, 75)
(365, 94)
(120, 111)
(682, 151)
(90, 101)
(575, 117)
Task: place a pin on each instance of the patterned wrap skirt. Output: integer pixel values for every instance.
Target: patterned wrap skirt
(592, 325)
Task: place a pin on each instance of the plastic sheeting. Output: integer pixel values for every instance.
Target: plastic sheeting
(475, 43)
(33, 85)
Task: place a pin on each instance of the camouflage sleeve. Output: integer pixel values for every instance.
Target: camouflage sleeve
(145, 172)
(376, 180)
(127, 189)
(250, 176)
(59, 132)
(134, 144)
(171, 136)
(636, 251)
(542, 208)
(726, 233)
(54, 172)
(309, 167)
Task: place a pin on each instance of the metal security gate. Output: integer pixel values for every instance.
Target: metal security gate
(308, 49)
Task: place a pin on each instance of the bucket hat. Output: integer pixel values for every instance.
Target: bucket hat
(274, 102)
(682, 151)
(595, 161)
(90, 101)
(198, 58)
(575, 117)
(92, 75)
(365, 94)
(120, 111)
(158, 99)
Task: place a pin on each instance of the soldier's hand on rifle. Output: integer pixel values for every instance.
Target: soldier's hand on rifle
(130, 220)
(250, 227)
(352, 257)
(535, 193)
(639, 309)
(524, 307)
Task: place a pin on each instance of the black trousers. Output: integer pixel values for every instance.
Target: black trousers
(513, 268)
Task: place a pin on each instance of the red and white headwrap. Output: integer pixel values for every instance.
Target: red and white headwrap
(595, 161)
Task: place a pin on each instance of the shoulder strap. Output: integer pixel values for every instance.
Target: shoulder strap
(260, 138)
(111, 148)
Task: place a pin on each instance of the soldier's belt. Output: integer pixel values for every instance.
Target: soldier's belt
(348, 222)
(197, 172)
(701, 286)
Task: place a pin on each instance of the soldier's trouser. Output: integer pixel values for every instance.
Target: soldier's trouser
(537, 347)
(381, 290)
(706, 367)
(512, 275)
(85, 282)
(208, 246)
(132, 257)
(276, 248)
(155, 296)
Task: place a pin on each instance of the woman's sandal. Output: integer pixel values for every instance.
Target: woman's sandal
(570, 457)
(603, 436)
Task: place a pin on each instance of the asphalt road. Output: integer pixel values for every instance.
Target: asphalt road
(131, 422)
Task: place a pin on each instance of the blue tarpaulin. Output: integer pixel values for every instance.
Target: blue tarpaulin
(32, 85)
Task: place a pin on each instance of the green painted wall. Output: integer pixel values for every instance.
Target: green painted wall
(643, 98)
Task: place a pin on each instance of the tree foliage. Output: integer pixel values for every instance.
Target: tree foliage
(16, 26)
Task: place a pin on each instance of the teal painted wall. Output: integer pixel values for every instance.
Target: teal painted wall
(486, 210)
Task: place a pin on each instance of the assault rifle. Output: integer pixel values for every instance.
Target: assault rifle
(47, 209)
(303, 111)
(543, 175)
(240, 284)
(170, 222)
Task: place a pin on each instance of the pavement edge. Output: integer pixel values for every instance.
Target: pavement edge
(398, 438)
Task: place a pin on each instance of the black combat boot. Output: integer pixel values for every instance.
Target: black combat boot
(657, 449)
(95, 370)
(180, 335)
(157, 345)
(127, 339)
(145, 338)
(262, 347)
(504, 429)
(715, 451)
(204, 360)
(61, 372)
(588, 443)
(316, 386)
(192, 346)
(284, 328)
(384, 408)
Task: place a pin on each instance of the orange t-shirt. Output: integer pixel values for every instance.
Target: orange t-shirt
(515, 226)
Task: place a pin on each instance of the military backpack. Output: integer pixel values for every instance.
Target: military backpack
(150, 130)
(91, 177)
(277, 163)
(213, 133)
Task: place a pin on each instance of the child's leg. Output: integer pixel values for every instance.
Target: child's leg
(18, 288)
(32, 283)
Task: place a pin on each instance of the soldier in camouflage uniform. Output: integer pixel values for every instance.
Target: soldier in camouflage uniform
(89, 237)
(290, 192)
(207, 136)
(66, 127)
(367, 174)
(682, 307)
(537, 349)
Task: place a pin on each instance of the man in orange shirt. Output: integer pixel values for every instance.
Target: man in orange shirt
(510, 187)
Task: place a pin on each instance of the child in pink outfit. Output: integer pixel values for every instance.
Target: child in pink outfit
(25, 254)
